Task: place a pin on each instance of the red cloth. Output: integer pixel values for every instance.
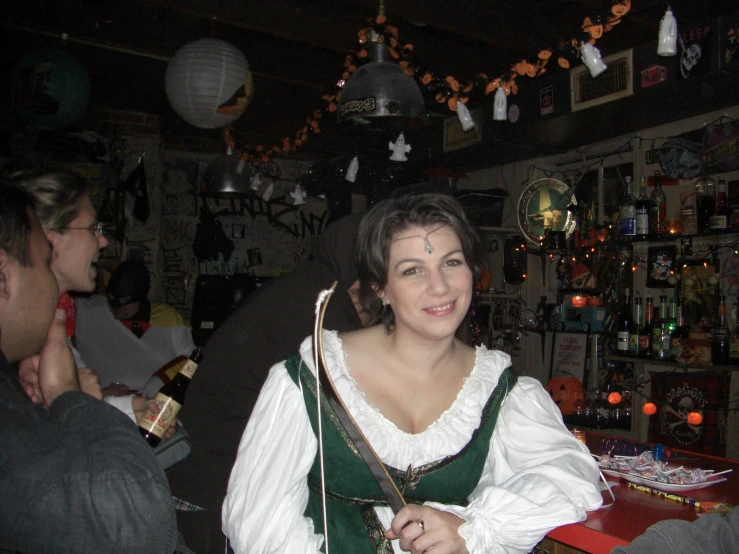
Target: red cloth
(67, 302)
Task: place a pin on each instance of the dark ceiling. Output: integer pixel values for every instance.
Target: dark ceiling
(296, 48)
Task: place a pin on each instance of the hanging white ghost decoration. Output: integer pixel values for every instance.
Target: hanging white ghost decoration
(351, 171)
(268, 192)
(399, 148)
(298, 195)
(255, 182)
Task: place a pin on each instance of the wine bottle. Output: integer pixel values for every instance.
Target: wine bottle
(627, 212)
(643, 207)
(721, 344)
(645, 333)
(625, 322)
(720, 220)
(635, 328)
(658, 213)
(170, 399)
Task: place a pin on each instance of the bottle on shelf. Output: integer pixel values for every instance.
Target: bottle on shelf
(660, 336)
(703, 213)
(658, 209)
(734, 348)
(625, 323)
(643, 207)
(680, 333)
(721, 342)
(636, 328)
(672, 317)
(645, 333)
(721, 217)
(170, 399)
(627, 212)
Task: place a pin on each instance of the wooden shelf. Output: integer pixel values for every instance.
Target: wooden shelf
(672, 363)
(508, 230)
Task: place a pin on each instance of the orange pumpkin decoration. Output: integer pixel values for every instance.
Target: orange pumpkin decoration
(614, 398)
(649, 408)
(695, 418)
(564, 392)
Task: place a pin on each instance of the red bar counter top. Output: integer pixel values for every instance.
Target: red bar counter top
(634, 510)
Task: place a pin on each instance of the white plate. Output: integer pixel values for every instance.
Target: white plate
(666, 487)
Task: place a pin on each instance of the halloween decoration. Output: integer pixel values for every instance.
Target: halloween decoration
(660, 265)
(351, 171)
(564, 391)
(500, 105)
(667, 43)
(136, 186)
(399, 148)
(49, 89)
(592, 60)
(268, 192)
(465, 119)
(298, 195)
(208, 83)
(649, 408)
(210, 239)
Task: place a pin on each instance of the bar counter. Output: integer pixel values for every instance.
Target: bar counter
(634, 510)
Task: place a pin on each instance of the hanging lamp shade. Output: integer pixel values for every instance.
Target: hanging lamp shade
(208, 83)
(226, 175)
(380, 89)
(49, 88)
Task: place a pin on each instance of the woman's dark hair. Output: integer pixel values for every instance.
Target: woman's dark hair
(385, 220)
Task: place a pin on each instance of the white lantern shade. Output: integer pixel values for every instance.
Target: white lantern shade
(208, 83)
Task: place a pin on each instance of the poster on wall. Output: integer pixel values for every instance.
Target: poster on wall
(660, 264)
(729, 43)
(676, 397)
(569, 354)
(711, 149)
(695, 51)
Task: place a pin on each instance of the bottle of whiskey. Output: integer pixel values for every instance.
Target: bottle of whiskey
(720, 220)
(627, 212)
(635, 328)
(625, 323)
(658, 211)
(170, 399)
(643, 207)
(645, 333)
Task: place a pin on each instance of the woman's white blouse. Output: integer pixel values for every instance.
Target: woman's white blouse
(536, 476)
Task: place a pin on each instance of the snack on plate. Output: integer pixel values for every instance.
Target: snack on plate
(645, 466)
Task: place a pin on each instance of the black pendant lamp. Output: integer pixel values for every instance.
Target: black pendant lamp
(380, 89)
(226, 175)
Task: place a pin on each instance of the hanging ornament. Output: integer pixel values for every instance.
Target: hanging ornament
(592, 60)
(464, 117)
(268, 192)
(208, 83)
(667, 41)
(649, 408)
(695, 418)
(399, 148)
(614, 398)
(255, 182)
(500, 105)
(298, 195)
(49, 88)
(351, 171)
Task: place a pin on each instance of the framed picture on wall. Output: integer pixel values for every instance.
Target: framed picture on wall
(660, 265)
(569, 353)
(700, 298)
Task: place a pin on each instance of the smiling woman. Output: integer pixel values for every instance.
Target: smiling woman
(481, 455)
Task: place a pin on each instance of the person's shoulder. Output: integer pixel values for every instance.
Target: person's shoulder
(164, 315)
(91, 302)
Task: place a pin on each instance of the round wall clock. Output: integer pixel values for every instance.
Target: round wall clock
(543, 204)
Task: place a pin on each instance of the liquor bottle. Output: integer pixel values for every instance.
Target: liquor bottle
(734, 349)
(643, 206)
(672, 317)
(659, 330)
(645, 333)
(627, 212)
(719, 221)
(635, 328)
(721, 344)
(701, 213)
(625, 323)
(658, 210)
(170, 399)
(680, 333)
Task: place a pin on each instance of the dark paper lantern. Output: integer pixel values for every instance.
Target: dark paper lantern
(208, 83)
(49, 88)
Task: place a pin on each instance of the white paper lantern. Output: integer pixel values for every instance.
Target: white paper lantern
(208, 83)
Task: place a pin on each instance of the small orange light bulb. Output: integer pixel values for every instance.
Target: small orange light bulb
(649, 408)
(614, 398)
(695, 418)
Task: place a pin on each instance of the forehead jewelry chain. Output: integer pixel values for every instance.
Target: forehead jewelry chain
(427, 244)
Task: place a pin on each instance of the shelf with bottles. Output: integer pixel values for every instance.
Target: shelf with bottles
(674, 363)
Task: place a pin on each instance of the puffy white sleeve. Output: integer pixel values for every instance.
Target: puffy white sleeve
(536, 478)
(268, 489)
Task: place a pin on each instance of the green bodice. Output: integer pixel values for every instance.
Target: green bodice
(352, 492)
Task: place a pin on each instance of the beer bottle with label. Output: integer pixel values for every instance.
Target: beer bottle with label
(170, 399)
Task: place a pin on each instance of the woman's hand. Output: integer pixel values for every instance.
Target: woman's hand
(116, 389)
(141, 404)
(421, 528)
(28, 377)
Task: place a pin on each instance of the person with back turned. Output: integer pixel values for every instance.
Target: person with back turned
(75, 474)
